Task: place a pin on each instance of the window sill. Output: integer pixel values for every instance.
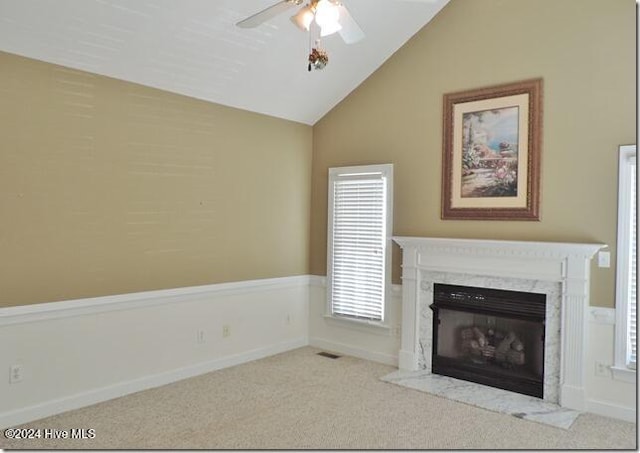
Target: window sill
(623, 374)
(374, 327)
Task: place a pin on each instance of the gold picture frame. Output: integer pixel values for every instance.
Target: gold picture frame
(491, 152)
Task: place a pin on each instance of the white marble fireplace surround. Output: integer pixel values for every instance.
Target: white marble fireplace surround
(558, 270)
(552, 291)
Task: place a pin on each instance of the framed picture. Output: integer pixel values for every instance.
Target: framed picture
(491, 152)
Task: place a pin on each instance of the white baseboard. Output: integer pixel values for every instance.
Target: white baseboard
(60, 405)
(354, 351)
(611, 410)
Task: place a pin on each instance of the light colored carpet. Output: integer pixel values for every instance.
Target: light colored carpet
(299, 400)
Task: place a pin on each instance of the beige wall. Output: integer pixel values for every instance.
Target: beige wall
(108, 187)
(585, 52)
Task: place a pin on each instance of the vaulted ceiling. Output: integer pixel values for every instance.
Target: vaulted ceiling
(193, 47)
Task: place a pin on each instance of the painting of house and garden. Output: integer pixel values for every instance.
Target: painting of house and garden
(490, 153)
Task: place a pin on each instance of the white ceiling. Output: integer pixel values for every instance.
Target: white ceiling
(192, 47)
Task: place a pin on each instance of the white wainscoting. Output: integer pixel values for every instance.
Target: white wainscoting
(350, 338)
(77, 353)
(606, 395)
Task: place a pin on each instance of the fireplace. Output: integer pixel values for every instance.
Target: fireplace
(560, 271)
(489, 336)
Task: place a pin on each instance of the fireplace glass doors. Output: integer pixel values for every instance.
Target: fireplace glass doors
(492, 337)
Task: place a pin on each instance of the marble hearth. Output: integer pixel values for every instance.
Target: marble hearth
(558, 270)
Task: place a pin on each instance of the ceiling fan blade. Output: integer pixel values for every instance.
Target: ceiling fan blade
(267, 13)
(350, 31)
(303, 18)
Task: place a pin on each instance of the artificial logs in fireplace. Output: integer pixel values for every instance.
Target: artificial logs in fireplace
(492, 344)
(489, 336)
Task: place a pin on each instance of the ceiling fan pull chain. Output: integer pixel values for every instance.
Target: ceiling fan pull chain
(310, 51)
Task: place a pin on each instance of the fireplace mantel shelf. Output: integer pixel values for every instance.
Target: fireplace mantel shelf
(496, 247)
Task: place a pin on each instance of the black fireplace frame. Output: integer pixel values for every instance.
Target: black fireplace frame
(492, 302)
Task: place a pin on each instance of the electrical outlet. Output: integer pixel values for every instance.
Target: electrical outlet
(287, 321)
(200, 336)
(226, 331)
(15, 375)
(396, 331)
(603, 370)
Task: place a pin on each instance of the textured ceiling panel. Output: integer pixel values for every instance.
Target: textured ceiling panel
(192, 47)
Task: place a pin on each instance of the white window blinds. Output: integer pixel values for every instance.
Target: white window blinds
(626, 281)
(632, 268)
(359, 220)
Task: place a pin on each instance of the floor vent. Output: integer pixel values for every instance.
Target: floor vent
(329, 355)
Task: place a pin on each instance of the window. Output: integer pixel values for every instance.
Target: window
(359, 241)
(626, 303)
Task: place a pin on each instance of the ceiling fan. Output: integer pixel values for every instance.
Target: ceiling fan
(330, 16)
(318, 17)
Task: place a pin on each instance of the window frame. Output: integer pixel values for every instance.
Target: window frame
(623, 369)
(386, 170)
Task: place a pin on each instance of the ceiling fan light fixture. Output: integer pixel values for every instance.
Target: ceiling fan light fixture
(327, 16)
(330, 29)
(303, 18)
